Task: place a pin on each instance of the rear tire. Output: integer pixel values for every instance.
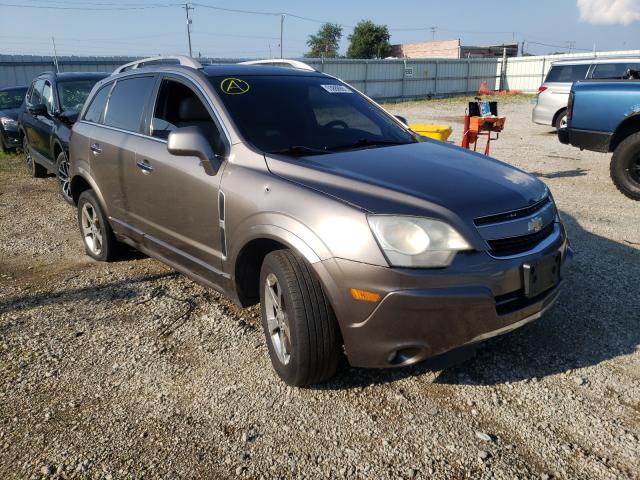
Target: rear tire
(625, 166)
(299, 324)
(561, 120)
(62, 175)
(34, 169)
(97, 236)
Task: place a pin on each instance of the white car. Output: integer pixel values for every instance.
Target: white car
(553, 94)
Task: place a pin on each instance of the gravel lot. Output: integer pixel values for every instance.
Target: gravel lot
(131, 370)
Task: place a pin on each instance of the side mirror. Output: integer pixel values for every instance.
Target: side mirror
(69, 117)
(190, 142)
(38, 109)
(402, 119)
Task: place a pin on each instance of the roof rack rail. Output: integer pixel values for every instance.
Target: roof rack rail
(281, 62)
(180, 59)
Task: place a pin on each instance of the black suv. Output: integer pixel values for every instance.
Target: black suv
(49, 110)
(10, 101)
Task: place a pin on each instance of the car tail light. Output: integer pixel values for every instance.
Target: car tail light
(570, 106)
(542, 89)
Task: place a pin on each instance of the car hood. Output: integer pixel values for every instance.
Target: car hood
(10, 112)
(415, 179)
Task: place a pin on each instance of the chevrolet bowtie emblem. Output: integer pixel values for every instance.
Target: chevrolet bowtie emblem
(535, 225)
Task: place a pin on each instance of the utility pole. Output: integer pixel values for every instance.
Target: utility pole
(187, 8)
(571, 44)
(281, 32)
(433, 32)
(55, 55)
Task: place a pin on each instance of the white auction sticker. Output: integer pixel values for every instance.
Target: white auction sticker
(336, 89)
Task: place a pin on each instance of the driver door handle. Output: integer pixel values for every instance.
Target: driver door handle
(95, 148)
(144, 165)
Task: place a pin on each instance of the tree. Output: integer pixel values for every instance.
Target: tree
(326, 42)
(369, 40)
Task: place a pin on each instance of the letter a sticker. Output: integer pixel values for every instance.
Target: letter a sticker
(234, 86)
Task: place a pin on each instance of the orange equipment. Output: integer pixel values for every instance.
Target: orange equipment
(476, 126)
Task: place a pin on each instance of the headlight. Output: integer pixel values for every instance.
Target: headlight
(415, 241)
(9, 123)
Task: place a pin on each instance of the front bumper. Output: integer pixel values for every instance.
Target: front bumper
(423, 313)
(11, 138)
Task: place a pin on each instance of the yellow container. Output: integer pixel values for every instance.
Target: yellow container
(439, 132)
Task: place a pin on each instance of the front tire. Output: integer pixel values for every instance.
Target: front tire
(625, 166)
(34, 169)
(298, 321)
(97, 236)
(62, 175)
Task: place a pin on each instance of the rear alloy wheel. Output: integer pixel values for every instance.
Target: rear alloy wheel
(35, 169)
(561, 120)
(299, 324)
(62, 174)
(97, 236)
(625, 166)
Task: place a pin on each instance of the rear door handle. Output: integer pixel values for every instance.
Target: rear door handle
(95, 148)
(144, 165)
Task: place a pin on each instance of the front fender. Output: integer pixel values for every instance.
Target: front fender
(281, 228)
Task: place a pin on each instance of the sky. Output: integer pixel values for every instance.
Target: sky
(149, 27)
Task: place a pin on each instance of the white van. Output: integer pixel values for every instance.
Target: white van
(553, 94)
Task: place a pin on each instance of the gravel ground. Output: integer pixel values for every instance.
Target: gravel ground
(130, 370)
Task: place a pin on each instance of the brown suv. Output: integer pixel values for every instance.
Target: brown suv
(287, 187)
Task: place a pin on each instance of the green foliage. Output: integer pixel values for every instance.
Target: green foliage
(369, 40)
(326, 42)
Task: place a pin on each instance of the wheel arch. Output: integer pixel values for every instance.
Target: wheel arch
(627, 127)
(248, 257)
(557, 115)
(80, 183)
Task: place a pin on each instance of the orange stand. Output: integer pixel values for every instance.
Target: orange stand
(475, 127)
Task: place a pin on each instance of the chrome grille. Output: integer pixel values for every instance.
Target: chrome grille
(513, 214)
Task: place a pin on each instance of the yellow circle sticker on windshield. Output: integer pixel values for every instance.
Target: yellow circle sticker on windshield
(234, 86)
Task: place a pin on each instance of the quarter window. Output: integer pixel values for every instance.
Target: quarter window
(94, 112)
(127, 103)
(567, 73)
(35, 98)
(47, 96)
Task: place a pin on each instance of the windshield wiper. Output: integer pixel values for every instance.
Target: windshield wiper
(366, 142)
(300, 150)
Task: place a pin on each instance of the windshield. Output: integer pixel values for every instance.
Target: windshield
(11, 98)
(73, 94)
(302, 115)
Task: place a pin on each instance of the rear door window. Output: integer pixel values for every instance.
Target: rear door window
(567, 73)
(127, 103)
(612, 71)
(94, 112)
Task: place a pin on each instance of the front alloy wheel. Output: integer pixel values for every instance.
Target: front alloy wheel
(299, 324)
(277, 319)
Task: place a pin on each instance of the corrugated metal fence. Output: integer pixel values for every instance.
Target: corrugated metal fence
(380, 79)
